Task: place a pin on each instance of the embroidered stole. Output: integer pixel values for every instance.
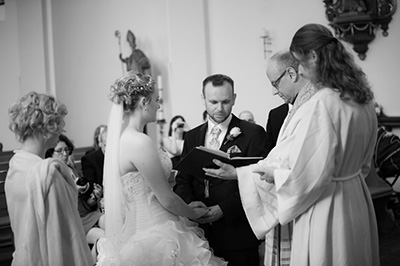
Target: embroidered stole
(304, 95)
(282, 235)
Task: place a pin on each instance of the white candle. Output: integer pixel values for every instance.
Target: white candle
(160, 93)
(159, 81)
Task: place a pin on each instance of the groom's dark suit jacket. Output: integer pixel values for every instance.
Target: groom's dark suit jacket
(232, 231)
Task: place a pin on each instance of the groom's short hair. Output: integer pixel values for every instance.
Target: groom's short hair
(218, 80)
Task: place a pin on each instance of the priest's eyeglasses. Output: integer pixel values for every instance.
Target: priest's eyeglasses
(275, 83)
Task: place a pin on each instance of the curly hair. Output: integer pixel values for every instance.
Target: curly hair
(36, 114)
(129, 89)
(336, 68)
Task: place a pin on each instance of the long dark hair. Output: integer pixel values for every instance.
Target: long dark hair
(336, 68)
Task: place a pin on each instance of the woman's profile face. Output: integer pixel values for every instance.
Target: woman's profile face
(153, 105)
(61, 151)
(307, 67)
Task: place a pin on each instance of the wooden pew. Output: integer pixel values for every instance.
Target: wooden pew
(6, 235)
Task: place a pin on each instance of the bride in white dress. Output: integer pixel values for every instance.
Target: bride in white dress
(145, 221)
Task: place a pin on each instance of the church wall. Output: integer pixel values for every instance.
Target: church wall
(184, 40)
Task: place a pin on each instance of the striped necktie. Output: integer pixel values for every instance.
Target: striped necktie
(214, 143)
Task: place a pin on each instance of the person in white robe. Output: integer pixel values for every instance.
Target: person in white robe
(41, 193)
(315, 176)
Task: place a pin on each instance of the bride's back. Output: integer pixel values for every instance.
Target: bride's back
(131, 148)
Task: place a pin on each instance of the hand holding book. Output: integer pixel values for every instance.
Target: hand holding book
(201, 160)
(225, 171)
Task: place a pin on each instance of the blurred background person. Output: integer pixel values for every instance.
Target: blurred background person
(89, 193)
(63, 151)
(96, 135)
(247, 116)
(173, 143)
(93, 162)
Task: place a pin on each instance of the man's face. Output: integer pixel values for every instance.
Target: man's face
(219, 101)
(153, 105)
(281, 82)
(103, 141)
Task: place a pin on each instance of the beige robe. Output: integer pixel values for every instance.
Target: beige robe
(42, 204)
(322, 157)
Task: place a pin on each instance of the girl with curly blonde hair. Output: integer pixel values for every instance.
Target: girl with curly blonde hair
(41, 193)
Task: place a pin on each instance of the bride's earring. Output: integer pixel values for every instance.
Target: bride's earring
(144, 104)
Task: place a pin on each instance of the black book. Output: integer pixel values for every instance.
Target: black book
(201, 157)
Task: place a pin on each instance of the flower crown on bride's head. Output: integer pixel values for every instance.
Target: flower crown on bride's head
(128, 89)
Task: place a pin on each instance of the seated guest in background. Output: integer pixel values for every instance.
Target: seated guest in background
(93, 163)
(88, 207)
(173, 144)
(96, 134)
(41, 194)
(247, 116)
(89, 193)
(63, 151)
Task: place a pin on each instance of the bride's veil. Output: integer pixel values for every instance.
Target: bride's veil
(113, 198)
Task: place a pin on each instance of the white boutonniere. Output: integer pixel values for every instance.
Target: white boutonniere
(235, 131)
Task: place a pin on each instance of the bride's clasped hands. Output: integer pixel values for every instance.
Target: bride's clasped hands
(200, 209)
(208, 214)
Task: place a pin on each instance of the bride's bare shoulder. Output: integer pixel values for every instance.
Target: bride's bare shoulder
(136, 139)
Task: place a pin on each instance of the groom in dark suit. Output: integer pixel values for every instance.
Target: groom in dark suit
(225, 225)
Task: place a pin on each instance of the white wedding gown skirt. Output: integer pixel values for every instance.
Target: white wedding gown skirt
(151, 235)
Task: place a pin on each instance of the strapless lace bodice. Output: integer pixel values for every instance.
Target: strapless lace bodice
(142, 208)
(134, 182)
